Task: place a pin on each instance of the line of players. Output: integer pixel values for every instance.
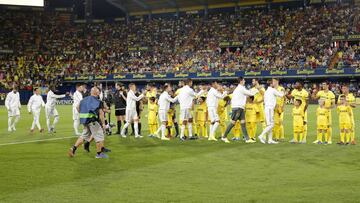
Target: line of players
(249, 107)
(35, 103)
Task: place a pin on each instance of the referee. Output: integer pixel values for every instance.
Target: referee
(120, 105)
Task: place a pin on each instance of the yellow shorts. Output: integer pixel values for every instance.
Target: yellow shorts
(345, 126)
(322, 127)
(260, 117)
(298, 129)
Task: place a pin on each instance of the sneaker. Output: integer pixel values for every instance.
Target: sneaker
(106, 150)
(31, 130)
(293, 142)
(123, 136)
(303, 142)
(41, 130)
(182, 138)
(9, 129)
(316, 142)
(249, 141)
(212, 139)
(101, 156)
(151, 135)
(319, 142)
(71, 153)
(193, 137)
(165, 138)
(272, 142)
(235, 139)
(348, 143)
(224, 139)
(325, 143)
(13, 128)
(262, 140)
(139, 136)
(330, 142)
(353, 142)
(340, 143)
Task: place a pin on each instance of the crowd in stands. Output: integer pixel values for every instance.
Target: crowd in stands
(45, 48)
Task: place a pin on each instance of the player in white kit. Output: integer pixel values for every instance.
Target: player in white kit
(34, 107)
(238, 102)
(77, 97)
(13, 106)
(50, 110)
(185, 98)
(270, 102)
(131, 113)
(164, 105)
(212, 102)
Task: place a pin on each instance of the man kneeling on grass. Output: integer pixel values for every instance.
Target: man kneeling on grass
(92, 117)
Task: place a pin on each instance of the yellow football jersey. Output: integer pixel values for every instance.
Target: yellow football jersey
(344, 112)
(201, 112)
(222, 110)
(303, 95)
(151, 94)
(322, 115)
(298, 116)
(328, 96)
(259, 97)
(152, 115)
(251, 109)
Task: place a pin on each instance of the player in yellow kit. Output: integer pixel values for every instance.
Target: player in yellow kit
(152, 116)
(278, 130)
(259, 101)
(345, 114)
(170, 122)
(251, 111)
(300, 93)
(223, 113)
(298, 121)
(322, 115)
(201, 117)
(350, 99)
(329, 98)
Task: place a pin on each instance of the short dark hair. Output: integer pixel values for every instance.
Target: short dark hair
(78, 85)
(188, 81)
(131, 84)
(240, 79)
(35, 88)
(277, 79)
(252, 98)
(152, 99)
(299, 100)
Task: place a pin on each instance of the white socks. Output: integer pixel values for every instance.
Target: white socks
(163, 130)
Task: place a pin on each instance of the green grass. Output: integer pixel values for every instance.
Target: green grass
(149, 170)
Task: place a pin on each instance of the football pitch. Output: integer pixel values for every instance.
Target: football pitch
(150, 170)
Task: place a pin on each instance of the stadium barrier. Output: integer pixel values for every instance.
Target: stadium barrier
(290, 73)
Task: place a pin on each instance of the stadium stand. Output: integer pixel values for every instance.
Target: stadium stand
(40, 47)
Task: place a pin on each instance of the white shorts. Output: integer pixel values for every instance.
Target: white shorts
(36, 113)
(163, 116)
(213, 115)
(76, 115)
(269, 116)
(130, 115)
(185, 114)
(14, 112)
(51, 112)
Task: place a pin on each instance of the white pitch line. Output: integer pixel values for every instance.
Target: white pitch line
(32, 141)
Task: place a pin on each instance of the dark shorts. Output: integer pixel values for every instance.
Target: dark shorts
(120, 112)
(237, 114)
